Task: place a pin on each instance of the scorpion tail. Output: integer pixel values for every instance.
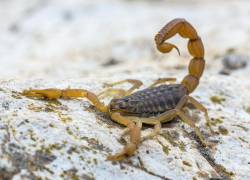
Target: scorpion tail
(195, 48)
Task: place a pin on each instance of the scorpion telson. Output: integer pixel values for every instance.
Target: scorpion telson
(159, 103)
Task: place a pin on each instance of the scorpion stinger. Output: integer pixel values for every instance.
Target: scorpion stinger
(195, 48)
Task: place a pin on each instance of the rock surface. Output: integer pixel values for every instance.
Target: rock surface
(85, 44)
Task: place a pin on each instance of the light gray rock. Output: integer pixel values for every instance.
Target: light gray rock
(69, 138)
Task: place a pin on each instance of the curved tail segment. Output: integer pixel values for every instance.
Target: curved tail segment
(195, 48)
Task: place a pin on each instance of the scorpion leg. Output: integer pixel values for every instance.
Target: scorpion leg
(168, 116)
(118, 93)
(134, 130)
(52, 94)
(185, 118)
(126, 130)
(197, 105)
(112, 92)
(162, 80)
(200, 107)
(156, 121)
(155, 132)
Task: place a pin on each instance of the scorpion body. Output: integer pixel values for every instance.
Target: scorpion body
(154, 105)
(151, 102)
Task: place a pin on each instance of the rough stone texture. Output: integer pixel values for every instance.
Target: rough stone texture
(84, 44)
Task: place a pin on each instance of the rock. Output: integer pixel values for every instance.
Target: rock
(69, 138)
(233, 62)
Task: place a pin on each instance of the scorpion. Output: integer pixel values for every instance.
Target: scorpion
(162, 102)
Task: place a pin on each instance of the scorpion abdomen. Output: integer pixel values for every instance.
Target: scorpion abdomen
(152, 101)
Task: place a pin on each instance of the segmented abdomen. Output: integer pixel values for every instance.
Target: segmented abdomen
(153, 101)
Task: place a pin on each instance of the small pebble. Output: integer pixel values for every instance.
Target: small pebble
(111, 62)
(234, 61)
(223, 130)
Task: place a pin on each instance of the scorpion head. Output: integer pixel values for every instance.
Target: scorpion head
(124, 105)
(118, 105)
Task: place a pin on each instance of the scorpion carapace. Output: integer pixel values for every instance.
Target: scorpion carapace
(195, 48)
(153, 105)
